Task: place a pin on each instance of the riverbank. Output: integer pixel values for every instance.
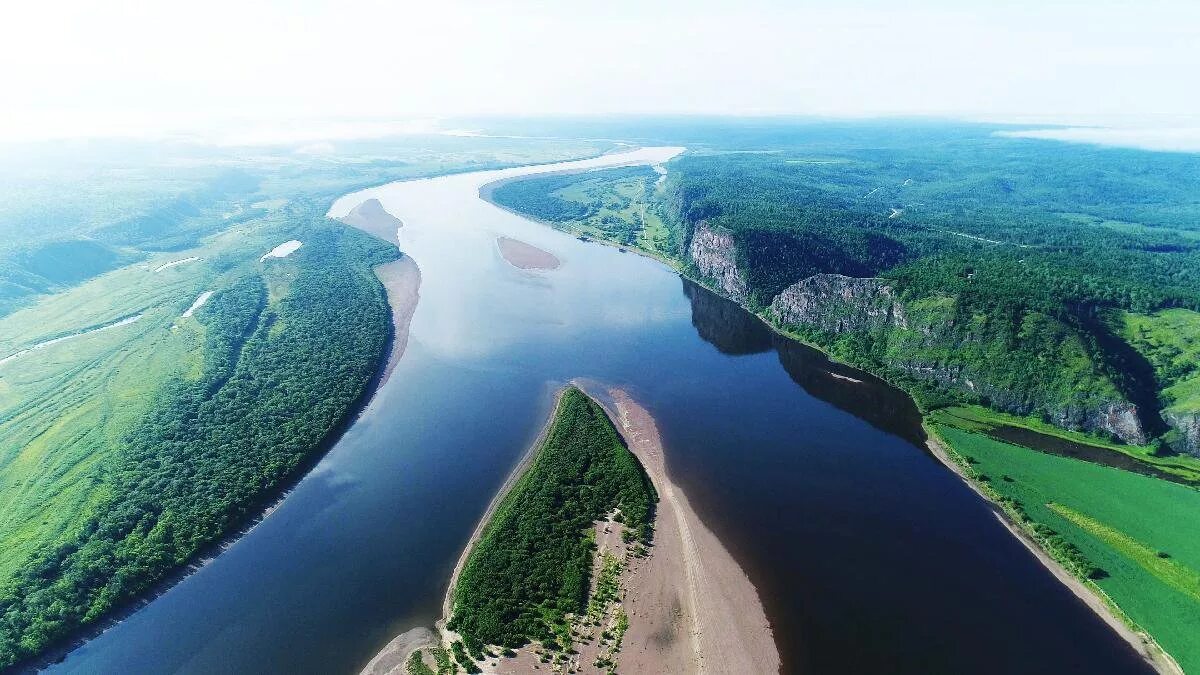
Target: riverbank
(1088, 593)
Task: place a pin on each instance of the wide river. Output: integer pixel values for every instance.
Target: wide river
(869, 555)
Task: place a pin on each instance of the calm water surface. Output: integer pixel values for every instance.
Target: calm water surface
(869, 556)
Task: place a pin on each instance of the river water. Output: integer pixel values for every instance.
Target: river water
(869, 555)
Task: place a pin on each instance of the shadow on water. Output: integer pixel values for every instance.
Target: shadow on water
(735, 331)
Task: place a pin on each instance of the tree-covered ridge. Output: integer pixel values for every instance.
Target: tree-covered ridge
(1006, 252)
(289, 349)
(1007, 257)
(531, 565)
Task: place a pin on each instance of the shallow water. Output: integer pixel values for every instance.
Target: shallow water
(869, 555)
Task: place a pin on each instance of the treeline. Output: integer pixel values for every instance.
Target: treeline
(532, 564)
(537, 196)
(278, 378)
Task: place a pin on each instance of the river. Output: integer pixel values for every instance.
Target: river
(868, 554)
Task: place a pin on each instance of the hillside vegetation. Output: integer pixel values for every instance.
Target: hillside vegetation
(1041, 291)
(997, 262)
(531, 566)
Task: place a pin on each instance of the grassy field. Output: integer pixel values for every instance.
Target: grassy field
(979, 418)
(621, 206)
(1140, 531)
(1170, 340)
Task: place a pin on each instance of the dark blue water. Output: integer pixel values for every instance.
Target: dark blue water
(870, 557)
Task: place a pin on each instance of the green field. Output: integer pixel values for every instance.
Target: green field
(1170, 341)
(978, 418)
(1140, 531)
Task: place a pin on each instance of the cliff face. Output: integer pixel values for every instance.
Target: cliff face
(712, 251)
(922, 342)
(835, 303)
(1188, 426)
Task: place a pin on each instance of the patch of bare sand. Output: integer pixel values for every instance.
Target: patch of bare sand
(371, 217)
(691, 607)
(402, 281)
(391, 659)
(401, 278)
(526, 256)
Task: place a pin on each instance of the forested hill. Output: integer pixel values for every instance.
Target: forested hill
(965, 266)
(287, 348)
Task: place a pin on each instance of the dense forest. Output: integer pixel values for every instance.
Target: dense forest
(532, 564)
(289, 349)
(1012, 261)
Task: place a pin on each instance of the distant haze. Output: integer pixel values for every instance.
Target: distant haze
(83, 67)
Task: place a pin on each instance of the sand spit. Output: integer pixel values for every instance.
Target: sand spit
(690, 607)
(371, 217)
(526, 256)
(391, 659)
(175, 262)
(401, 278)
(203, 298)
(402, 282)
(283, 250)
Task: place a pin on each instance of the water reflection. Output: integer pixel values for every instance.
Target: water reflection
(734, 331)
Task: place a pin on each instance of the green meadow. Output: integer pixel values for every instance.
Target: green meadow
(1139, 531)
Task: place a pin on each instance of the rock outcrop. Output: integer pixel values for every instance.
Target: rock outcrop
(713, 253)
(1188, 426)
(921, 345)
(835, 303)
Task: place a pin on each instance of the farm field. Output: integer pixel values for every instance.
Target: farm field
(1138, 531)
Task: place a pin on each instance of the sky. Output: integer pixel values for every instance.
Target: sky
(81, 67)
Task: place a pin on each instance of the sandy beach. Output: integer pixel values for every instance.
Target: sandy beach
(691, 607)
(401, 278)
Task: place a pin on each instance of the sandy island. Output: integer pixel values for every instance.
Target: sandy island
(690, 607)
(526, 256)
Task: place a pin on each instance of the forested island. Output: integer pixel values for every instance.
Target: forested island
(1027, 294)
(582, 566)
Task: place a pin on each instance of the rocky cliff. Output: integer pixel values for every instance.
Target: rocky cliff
(712, 252)
(836, 304)
(1188, 426)
(923, 343)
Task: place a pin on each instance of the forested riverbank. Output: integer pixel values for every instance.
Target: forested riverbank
(287, 353)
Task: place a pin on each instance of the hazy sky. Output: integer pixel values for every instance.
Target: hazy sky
(116, 65)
